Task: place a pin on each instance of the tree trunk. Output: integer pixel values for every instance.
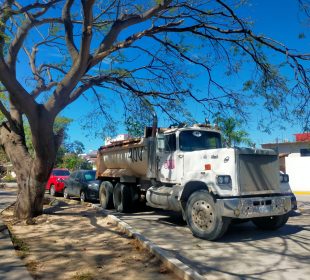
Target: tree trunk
(29, 202)
(32, 171)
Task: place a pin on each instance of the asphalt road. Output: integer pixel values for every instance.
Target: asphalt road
(11, 266)
(7, 197)
(243, 253)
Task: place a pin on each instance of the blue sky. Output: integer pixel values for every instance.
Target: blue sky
(278, 19)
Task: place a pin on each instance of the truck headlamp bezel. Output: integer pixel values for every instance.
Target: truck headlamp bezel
(223, 179)
(284, 178)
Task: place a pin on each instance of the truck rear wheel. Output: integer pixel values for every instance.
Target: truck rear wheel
(271, 223)
(122, 198)
(106, 195)
(203, 218)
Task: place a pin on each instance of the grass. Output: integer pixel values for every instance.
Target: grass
(83, 276)
(20, 245)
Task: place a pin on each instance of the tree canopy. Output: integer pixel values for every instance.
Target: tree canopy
(140, 48)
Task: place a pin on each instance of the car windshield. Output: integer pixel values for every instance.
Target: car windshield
(61, 172)
(194, 140)
(90, 175)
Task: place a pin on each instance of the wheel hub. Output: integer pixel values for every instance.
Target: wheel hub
(203, 215)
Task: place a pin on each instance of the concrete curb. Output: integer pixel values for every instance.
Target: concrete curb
(179, 268)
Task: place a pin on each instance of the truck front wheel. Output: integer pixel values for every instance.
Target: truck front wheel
(271, 223)
(203, 218)
(106, 195)
(122, 198)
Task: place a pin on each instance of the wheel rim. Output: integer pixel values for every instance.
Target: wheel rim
(203, 215)
(82, 197)
(52, 191)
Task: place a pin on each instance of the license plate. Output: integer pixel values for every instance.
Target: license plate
(264, 209)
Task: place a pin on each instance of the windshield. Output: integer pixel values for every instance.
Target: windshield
(90, 175)
(194, 140)
(61, 172)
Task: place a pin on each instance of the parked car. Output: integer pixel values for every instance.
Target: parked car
(55, 183)
(82, 184)
(286, 189)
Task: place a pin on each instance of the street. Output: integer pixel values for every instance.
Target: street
(11, 266)
(243, 253)
(7, 197)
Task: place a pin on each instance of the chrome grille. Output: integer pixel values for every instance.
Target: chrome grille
(258, 174)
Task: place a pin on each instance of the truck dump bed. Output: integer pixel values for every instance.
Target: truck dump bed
(123, 158)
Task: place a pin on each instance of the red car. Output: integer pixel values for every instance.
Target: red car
(55, 183)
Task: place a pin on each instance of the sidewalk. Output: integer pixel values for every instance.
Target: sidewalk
(11, 266)
(59, 249)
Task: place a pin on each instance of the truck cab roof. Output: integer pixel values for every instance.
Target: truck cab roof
(202, 127)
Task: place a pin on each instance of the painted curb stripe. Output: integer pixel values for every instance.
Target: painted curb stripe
(301, 192)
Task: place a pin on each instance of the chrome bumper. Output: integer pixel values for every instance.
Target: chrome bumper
(252, 207)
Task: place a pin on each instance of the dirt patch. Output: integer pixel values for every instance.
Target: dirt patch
(74, 241)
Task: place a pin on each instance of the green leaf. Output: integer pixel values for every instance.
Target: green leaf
(248, 85)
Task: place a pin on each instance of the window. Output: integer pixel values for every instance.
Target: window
(305, 152)
(195, 140)
(59, 172)
(80, 176)
(170, 142)
(73, 175)
(90, 175)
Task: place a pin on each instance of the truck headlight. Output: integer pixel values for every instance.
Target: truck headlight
(223, 179)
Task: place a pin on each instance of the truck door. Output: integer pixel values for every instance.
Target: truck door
(199, 149)
(167, 160)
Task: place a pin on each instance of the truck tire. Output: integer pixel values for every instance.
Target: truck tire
(106, 195)
(202, 216)
(271, 223)
(122, 198)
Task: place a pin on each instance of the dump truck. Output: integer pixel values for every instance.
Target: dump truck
(187, 169)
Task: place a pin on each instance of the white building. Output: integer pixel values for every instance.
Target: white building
(295, 161)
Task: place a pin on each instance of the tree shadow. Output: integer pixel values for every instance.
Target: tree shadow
(241, 245)
(249, 232)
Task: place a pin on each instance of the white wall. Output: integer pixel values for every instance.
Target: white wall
(288, 148)
(298, 168)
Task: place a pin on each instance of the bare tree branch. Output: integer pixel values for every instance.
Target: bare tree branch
(124, 22)
(66, 17)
